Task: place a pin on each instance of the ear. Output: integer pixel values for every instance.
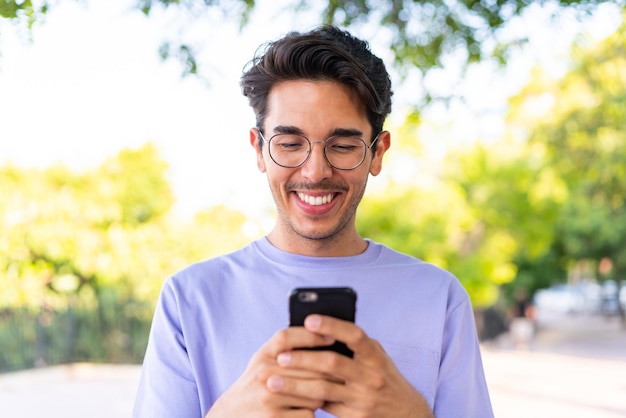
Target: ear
(382, 145)
(255, 141)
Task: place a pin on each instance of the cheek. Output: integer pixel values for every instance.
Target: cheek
(276, 176)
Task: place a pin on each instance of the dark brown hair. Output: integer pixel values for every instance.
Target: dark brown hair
(326, 53)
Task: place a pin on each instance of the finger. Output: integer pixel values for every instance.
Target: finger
(345, 331)
(279, 386)
(331, 366)
(262, 372)
(300, 413)
(336, 409)
(292, 338)
(307, 365)
(316, 391)
(274, 400)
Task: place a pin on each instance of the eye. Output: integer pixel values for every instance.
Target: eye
(344, 144)
(288, 143)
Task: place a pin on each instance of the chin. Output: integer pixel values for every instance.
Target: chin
(318, 234)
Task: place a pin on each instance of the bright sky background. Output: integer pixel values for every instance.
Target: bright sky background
(91, 84)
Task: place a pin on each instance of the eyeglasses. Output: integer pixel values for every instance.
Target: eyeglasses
(341, 152)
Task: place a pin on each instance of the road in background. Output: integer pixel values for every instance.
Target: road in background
(575, 367)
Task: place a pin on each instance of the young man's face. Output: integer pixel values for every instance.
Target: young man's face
(316, 201)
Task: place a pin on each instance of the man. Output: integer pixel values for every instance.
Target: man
(219, 345)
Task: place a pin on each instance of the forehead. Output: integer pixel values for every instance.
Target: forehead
(314, 103)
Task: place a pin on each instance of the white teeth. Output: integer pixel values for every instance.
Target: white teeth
(315, 200)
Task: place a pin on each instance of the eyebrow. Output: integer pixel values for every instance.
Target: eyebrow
(284, 129)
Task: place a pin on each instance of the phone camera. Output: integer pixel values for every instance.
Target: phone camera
(308, 296)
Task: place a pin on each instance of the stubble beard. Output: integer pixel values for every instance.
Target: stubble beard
(330, 235)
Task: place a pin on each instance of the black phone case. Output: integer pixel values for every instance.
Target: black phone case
(339, 302)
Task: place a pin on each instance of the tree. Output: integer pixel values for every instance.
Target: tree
(438, 226)
(513, 195)
(136, 181)
(429, 214)
(422, 34)
(92, 249)
(577, 131)
(103, 230)
(22, 10)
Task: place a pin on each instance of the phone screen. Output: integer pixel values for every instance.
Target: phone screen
(339, 302)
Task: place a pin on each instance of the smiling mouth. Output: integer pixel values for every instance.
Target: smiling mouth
(316, 200)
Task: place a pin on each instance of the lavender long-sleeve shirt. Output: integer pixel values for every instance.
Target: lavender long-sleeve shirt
(212, 317)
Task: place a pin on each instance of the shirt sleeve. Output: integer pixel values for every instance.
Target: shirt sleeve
(167, 387)
(462, 388)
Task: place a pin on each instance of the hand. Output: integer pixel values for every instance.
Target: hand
(369, 385)
(258, 392)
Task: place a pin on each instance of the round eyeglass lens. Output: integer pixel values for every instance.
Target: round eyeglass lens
(289, 150)
(345, 152)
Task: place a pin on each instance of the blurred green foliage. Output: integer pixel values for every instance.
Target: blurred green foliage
(80, 233)
(583, 138)
(91, 249)
(422, 34)
(523, 212)
(83, 256)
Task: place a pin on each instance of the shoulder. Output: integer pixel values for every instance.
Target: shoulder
(390, 258)
(400, 266)
(209, 272)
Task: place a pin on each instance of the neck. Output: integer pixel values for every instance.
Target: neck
(322, 247)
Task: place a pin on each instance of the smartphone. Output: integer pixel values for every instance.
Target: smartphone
(339, 302)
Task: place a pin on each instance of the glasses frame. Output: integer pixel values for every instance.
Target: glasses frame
(308, 154)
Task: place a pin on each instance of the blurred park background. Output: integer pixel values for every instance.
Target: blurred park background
(124, 156)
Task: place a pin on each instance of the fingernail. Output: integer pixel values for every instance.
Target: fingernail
(275, 383)
(283, 359)
(313, 322)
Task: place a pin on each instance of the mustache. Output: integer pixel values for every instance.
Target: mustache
(324, 185)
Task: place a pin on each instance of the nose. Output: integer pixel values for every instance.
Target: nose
(316, 168)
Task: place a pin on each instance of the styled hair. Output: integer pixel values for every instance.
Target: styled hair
(326, 53)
